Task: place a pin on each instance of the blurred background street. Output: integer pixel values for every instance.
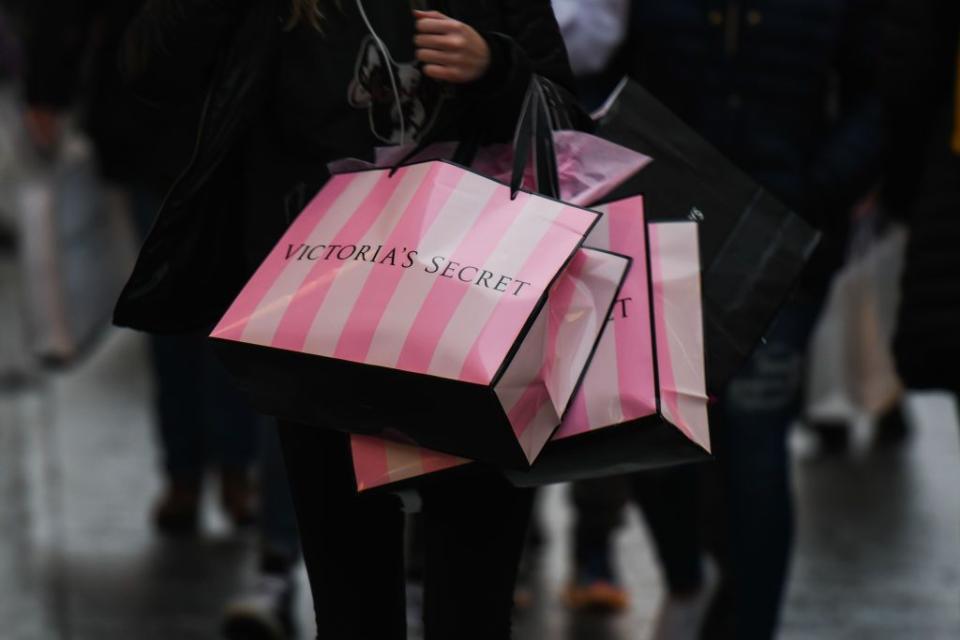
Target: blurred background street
(878, 553)
(142, 497)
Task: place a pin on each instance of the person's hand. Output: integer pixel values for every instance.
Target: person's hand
(44, 126)
(450, 50)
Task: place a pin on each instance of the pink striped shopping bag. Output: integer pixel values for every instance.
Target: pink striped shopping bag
(643, 401)
(426, 303)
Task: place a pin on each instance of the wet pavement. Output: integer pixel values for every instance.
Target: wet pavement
(878, 552)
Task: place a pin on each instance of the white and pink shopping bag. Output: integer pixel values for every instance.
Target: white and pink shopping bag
(643, 402)
(429, 304)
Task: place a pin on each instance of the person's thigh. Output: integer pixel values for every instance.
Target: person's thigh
(180, 418)
(475, 528)
(352, 543)
(752, 422)
(670, 501)
(232, 424)
(599, 505)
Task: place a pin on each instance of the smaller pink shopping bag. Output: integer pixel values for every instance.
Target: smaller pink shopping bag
(643, 401)
(588, 167)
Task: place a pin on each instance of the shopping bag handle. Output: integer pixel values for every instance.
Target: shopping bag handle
(540, 115)
(534, 135)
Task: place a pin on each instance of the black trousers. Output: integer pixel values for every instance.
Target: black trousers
(670, 502)
(353, 546)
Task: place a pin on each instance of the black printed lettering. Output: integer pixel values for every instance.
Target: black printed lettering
(333, 248)
(520, 285)
(450, 268)
(503, 282)
(391, 257)
(620, 307)
(484, 279)
(362, 253)
(436, 262)
(408, 262)
(463, 271)
(319, 247)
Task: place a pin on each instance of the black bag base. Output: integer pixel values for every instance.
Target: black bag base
(641, 445)
(450, 416)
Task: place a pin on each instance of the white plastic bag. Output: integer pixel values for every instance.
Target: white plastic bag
(852, 373)
(74, 252)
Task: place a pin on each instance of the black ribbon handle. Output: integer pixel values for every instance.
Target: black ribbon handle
(539, 116)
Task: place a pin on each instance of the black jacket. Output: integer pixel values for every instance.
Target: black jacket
(71, 64)
(190, 267)
(784, 88)
(923, 184)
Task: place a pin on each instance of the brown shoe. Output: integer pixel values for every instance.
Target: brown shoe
(177, 510)
(238, 497)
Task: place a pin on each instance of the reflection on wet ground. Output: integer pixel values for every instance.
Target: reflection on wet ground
(878, 543)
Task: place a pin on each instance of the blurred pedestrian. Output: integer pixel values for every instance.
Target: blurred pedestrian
(71, 59)
(787, 91)
(921, 90)
(291, 86)
(265, 607)
(595, 32)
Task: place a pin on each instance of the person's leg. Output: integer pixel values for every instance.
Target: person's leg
(234, 432)
(265, 607)
(279, 538)
(670, 501)
(598, 505)
(177, 368)
(180, 429)
(475, 528)
(751, 423)
(352, 543)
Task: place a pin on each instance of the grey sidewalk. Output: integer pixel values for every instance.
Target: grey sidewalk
(878, 548)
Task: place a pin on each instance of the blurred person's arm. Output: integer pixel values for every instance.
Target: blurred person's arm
(171, 46)
(593, 31)
(849, 162)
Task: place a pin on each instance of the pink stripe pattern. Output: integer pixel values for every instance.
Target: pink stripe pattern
(510, 314)
(381, 284)
(369, 461)
(633, 335)
(447, 293)
(232, 324)
(300, 314)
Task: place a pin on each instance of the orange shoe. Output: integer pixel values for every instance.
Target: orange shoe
(599, 596)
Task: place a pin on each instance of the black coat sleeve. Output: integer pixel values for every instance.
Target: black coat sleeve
(171, 46)
(529, 43)
(56, 37)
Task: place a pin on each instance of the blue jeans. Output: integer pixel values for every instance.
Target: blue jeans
(750, 427)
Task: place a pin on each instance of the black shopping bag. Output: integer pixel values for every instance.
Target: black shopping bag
(753, 248)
